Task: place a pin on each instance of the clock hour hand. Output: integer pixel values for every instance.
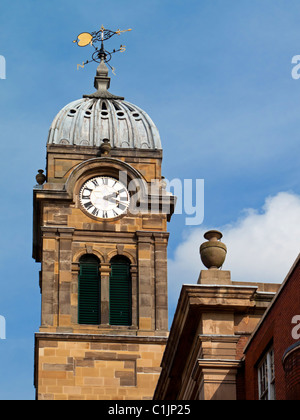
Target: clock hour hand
(108, 197)
(117, 201)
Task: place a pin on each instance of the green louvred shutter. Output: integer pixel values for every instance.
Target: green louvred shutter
(89, 294)
(120, 295)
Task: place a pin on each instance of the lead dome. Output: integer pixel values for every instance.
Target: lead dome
(101, 115)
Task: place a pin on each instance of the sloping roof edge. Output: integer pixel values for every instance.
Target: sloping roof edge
(294, 266)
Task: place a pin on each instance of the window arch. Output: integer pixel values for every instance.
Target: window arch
(89, 290)
(120, 292)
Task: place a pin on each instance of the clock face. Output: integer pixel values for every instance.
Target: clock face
(104, 197)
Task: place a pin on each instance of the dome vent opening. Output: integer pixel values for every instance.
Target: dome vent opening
(129, 107)
(117, 108)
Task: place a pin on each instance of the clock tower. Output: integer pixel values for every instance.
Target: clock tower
(100, 234)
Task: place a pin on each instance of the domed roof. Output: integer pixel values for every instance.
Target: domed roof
(101, 115)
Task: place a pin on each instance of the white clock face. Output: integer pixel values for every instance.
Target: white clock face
(104, 197)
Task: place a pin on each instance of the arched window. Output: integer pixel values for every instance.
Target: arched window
(89, 290)
(120, 292)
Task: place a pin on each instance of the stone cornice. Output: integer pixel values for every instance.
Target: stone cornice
(103, 338)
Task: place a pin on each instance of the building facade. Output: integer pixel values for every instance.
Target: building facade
(233, 340)
(100, 234)
(272, 355)
(214, 319)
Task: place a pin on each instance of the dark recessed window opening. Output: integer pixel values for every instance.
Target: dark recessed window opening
(120, 292)
(89, 291)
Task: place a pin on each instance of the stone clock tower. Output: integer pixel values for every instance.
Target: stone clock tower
(100, 234)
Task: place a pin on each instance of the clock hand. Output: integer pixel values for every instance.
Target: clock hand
(108, 197)
(118, 201)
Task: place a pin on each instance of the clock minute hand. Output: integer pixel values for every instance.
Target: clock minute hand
(117, 200)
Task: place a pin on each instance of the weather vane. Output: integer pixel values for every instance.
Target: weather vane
(100, 54)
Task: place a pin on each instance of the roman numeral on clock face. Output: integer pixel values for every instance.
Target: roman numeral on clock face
(95, 182)
(88, 205)
(95, 212)
(122, 207)
(86, 195)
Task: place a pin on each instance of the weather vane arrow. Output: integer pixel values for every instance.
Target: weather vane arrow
(100, 54)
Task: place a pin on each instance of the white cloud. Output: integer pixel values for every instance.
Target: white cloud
(262, 245)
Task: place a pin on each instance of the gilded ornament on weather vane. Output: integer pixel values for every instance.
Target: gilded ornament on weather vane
(100, 54)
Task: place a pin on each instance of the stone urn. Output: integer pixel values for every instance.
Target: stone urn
(105, 147)
(213, 252)
(40, 178)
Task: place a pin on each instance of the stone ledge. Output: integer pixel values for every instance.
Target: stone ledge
(100, 338)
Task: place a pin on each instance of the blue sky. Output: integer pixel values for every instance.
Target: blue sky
(215, 77)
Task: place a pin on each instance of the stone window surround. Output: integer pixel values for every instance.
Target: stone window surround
(104, 272)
